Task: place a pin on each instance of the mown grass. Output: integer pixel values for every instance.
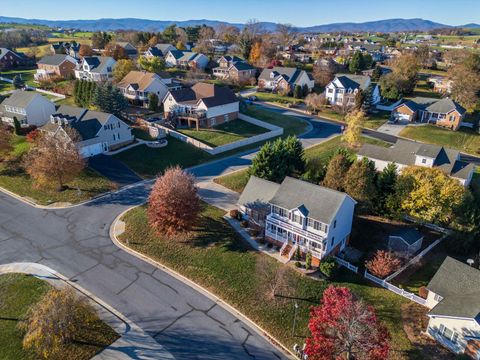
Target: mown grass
(27, 75)
(18, 292)
(13, 178)
(276, 98)
(464, 139)
(291, 125)
(225, 133)
(237, 181)
(218, 259)
(150, 162)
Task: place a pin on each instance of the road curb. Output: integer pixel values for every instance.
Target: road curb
(226, 306)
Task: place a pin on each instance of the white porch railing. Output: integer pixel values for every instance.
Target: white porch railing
(292, 251)
(272, 218)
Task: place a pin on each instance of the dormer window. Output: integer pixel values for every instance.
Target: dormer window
(438, 298)
(424, 161)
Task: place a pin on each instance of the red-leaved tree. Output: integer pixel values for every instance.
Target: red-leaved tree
(344, 327)
(173, 204)
(383, 263)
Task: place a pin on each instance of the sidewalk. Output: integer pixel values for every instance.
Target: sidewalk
(133, 343)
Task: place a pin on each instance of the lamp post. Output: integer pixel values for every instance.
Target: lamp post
(294, 318)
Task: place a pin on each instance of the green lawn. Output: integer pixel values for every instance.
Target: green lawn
(225, 133)
(464, 139)
(13, 178)
(292, 125)
(18, 292)
(27, 75)
(373, 121)
(218, 259)
(270, 97)
(237, 181)
(149, 162)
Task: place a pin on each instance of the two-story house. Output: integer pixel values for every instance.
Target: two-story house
(186, 60)
(409, 153)
(284, 79)
(129, 49)
(235, 69)
(28, 107)
(136, 86)
(95, 68)
(55, 66)
(66, 48)
(99, 132)
(344, 88)
(159, 50)
(202, 105)
(445, 113)
(297, 214)
(10, 59)
(454, 303)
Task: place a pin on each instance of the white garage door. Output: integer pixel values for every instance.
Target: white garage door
(402, 117)
(91, 150)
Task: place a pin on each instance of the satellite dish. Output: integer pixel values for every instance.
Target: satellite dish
(470, 262)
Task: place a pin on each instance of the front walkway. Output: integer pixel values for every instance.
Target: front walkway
(133, 343)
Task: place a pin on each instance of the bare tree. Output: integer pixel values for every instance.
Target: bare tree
(274, 276)
(55, 159)
(254, 28)
(6, 136)
(286, 34)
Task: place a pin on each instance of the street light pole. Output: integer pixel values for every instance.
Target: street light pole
(294, 318)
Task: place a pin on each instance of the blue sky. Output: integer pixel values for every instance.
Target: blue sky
(297, 12)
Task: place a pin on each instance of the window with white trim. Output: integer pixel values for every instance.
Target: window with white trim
(448, 334)
(438, 298)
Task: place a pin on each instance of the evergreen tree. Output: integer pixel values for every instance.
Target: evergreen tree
(18, 82)
(17, 126)
(297, 92)
(336, 172)
(295, 155)
(357, 63)
(360, 183)
(386, 185)
(377, 73)
(76, 91)
(305, 90)
(153, 102)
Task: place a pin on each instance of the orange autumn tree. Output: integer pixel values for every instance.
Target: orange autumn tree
(173, 205)
(383, 263)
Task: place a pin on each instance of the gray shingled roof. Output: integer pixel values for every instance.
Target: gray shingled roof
(56, 59)
(289, 74)
(408, 234)
(20, 98)
(212, 95)
(459, 285)
(258, 192)
(404, 152)
(98, 63)
(442, 106)
(320, 202)
(353, 82)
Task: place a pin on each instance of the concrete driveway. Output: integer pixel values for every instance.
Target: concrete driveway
(113, 169)
(393, 128)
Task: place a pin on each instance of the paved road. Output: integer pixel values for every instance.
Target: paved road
(113, 169)
(76, 243)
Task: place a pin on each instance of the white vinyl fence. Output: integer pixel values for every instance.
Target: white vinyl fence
(346, 264)
(275, 131)
(395, 289)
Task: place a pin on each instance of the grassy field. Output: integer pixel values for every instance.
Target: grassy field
(218, 259)
(149, 162)
(270, 97)
(291, 125)
(13, 178)
(464, 139)
(225, 133)
(27, 76)
(39, 51)
(237, 181)
(18, 292)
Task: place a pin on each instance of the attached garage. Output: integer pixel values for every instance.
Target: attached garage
(93, 149)
(403, 113)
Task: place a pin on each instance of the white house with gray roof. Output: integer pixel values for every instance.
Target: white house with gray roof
(300, 215)
(29, 107)
(284, 79)
(99, 132)
(343, 89)
(409, 153)
(95, 68)
(186, 59)
(454, 303)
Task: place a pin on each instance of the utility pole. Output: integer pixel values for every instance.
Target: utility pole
(294, 318)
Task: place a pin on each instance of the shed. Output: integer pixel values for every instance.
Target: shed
(405, 240)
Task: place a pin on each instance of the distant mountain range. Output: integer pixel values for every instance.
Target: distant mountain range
(390, 25)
